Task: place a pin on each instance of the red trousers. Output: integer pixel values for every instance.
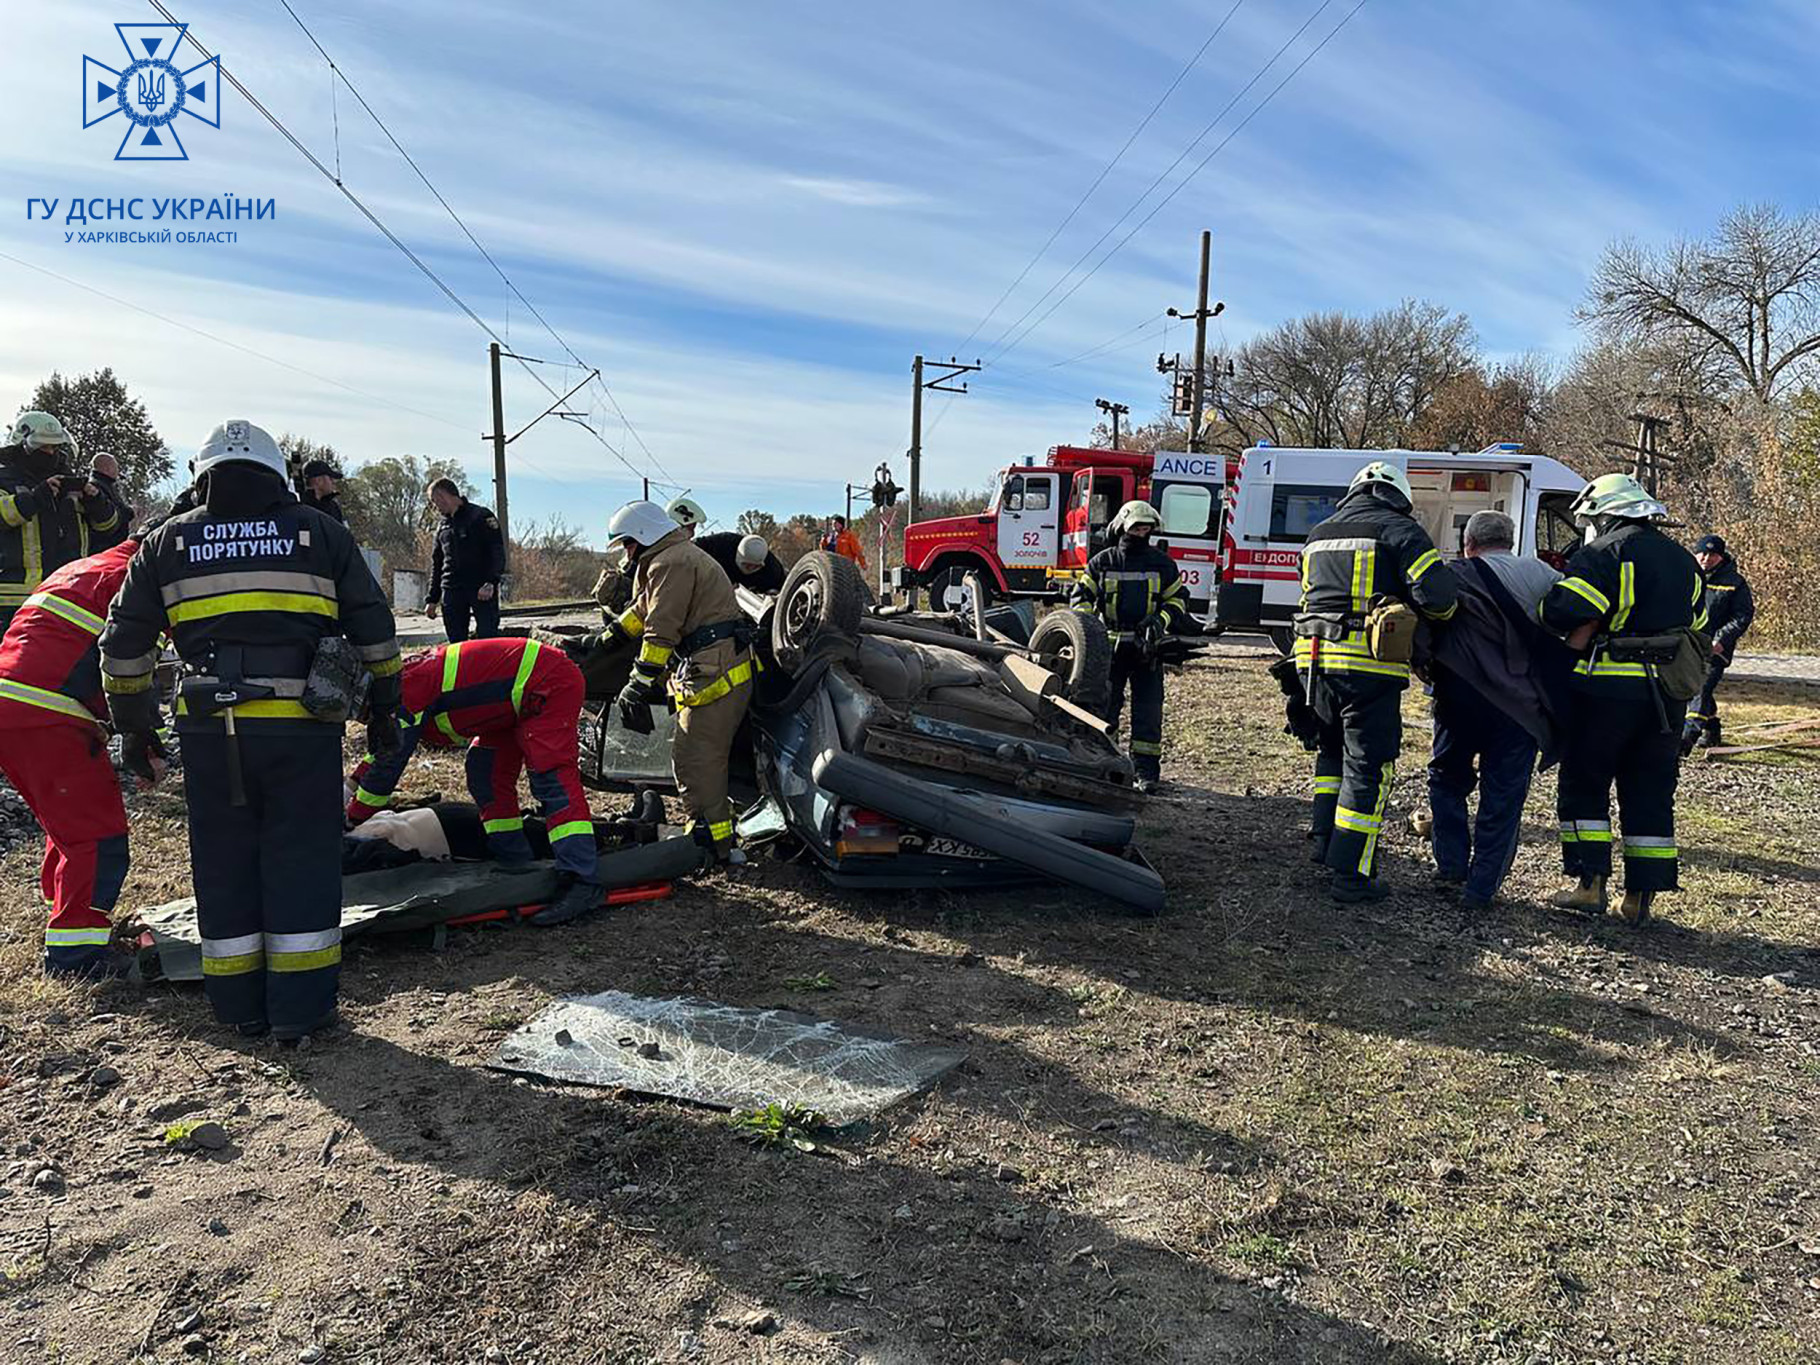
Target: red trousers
(62, 771)
(544, 742)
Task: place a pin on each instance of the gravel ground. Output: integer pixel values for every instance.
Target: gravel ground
(1258, 1128)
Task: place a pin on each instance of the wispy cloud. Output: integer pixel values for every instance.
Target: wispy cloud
(859, 194)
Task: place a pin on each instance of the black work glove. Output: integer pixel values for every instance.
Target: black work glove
(133, 711)
(1152, 630)
(635, 706)
(46, 491)
(137, 748)
(580, 647)
(382, 731)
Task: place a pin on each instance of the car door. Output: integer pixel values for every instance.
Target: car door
(1029, 520)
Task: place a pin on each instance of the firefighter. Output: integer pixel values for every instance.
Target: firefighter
(247, 585)
(1370, 555)
(1730, 609)
(104, 473)
(688, 514)
(747, 560)
(688, 624)
(53, 750)
(49, 515)
(516, 703)
(1137, 591)
(466, 564)
(1627, 583)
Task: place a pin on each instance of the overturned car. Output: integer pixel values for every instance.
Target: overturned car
(898, 749)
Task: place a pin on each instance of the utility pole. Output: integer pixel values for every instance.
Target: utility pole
(1114, 411)
(1198, 401)
(647, 488)
(950, 369)
(499, 455)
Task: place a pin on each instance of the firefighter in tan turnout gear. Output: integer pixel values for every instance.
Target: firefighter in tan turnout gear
(688, 625)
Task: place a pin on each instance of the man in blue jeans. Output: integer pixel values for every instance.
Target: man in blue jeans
(1495, 676)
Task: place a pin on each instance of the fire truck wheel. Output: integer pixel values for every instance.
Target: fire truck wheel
(820, 603)
(1077, 649)
(949, 589)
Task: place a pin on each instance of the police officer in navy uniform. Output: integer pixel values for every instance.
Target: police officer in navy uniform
(247, 584)
(466, 565)
(1730, 609)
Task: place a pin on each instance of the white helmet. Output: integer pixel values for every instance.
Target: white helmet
(39, 430)
(642, 523)
(1616, 495)
(1385, 474)
(1134, 514)
(240, 442)
(686, 512)
(751, 553)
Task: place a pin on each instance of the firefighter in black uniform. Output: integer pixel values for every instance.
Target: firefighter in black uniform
(1370, 554)
(49, 515)
(1628, 584)
(466, 565)
(247, 585)
(1729, 611)
(747, 559)
(1137, 591)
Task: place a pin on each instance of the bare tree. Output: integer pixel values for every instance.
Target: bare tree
(1743, 307)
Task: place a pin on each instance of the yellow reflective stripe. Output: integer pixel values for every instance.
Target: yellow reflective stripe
(385, 668)
(238, 965)
(367, 798)
(119, 686)
(274, 709)
(1356, 820)
(1369, 852)
(69, 611)
(654, 654)
(1443, 614)
(77, 938)
(109, 522)
(632, 623)
(1650, 848)
(1627, 594)
(504, 826)
(451, 661)
(31, 547)
(303, 962)
(229, 603)
(48, 701)
(1424, 562)
(1607, 668)
(9, 510)
(1146, 746)
(246, 580)
(1363, 572)
(378, 651)
(1324, 785)
(736, 676)
(720, 830)
(525, 665)
(13, 594)
(1584, 589)
(569, 828)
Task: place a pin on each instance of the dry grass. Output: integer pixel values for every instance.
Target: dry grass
(1258, 1129)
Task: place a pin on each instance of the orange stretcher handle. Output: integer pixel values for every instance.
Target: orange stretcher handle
(619, 895)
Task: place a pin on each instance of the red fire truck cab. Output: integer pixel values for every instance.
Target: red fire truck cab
(1046, 519)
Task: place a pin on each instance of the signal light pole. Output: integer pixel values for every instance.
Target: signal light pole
(1114, 411)
(1198, 401)
(950, 369)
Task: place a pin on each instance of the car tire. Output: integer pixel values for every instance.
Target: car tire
(1076, 648)
(818, 607)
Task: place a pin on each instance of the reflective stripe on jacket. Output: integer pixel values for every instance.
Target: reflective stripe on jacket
(1127, 583)
(48, 657)
(1636, 582)
(678, 589)
(36, 540)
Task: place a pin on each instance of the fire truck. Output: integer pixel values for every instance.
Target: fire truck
(1047, 518)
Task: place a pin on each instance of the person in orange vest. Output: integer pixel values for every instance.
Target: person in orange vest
(53, 749)
(841, 541)
(515, 703)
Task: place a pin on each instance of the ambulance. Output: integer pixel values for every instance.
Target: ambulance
(1278, 494)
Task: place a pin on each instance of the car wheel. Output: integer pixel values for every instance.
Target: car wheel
(949, 589)
(821, 601)
(1076, 648)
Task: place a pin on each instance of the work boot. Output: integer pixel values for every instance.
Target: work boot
(571, 902)
(1349, 888)
(1588, 897)
(1635, 909)
(1690, 736)
(1709, 738)
(1317, 850)
(293, 1034)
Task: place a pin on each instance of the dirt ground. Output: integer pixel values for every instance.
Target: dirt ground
(1258, 1128)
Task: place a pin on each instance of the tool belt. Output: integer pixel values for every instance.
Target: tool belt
(742, 632)
(1676, 659)
(1326, 625)
(218, 695)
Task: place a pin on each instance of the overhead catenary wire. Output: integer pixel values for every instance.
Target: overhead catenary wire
(371, 217)
(1105, 171)
(1007, 342)
(342, 76)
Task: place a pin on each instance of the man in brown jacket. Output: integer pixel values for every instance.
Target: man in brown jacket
(689, 625)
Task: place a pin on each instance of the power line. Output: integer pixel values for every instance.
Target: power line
(1148, 324)
(448, 208)
(1219, 147)
(1005, 342)
(367, 213)
(232, 345)
(1105, 171)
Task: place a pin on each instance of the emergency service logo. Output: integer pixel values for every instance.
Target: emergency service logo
(151, 90)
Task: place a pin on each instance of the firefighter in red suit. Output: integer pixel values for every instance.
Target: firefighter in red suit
(515, 703)
(53, 750)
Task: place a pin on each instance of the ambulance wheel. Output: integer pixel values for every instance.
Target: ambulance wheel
(819, 605)
(1077, 649)
(1283, 638)
(949, 589)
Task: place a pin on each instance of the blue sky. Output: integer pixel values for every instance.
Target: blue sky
(751, 216)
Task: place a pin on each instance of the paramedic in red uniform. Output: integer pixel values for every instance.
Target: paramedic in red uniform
(515, 703)
(53, 750)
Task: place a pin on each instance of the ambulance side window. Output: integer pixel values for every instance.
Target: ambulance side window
(1296, 509)
(1188, 509)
